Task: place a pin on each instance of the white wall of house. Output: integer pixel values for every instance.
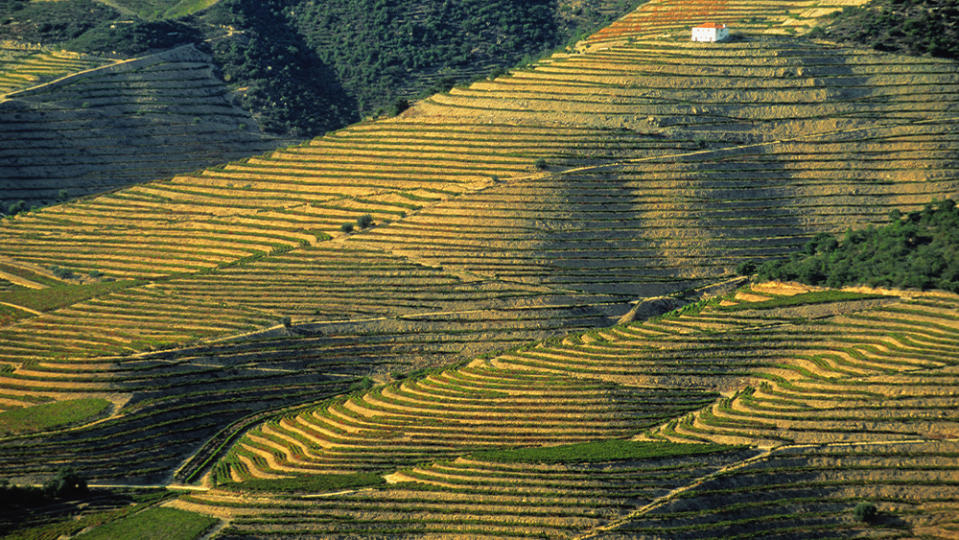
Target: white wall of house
(705, 33)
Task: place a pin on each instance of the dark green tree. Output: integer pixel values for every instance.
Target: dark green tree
(68, 483)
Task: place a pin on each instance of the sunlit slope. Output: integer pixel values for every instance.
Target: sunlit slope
(319, 284)
(656, 176)
(670, 17)
(715, 349)
(671, 222)
(668, 95)
(760, 89)
(175, 402)
(859, 349)
(469, 496)
(294, 196)
(22, 66)
(92, 130)
(622, 231)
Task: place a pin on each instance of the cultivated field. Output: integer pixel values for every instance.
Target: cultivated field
(347, 336)
(71, 125)
(833, 389)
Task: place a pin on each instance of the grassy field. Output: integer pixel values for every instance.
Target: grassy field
(50, 415)
(153, 524)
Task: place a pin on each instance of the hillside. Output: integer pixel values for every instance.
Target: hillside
(302, 68)
(810, 384)
(917, 250)
(915, 27)
(255, 72)
(376, 332)
(60, 123)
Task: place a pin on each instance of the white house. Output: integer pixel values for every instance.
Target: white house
(710, 32)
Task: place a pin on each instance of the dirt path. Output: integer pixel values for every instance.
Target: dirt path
(171, 486)
(663, 500)
(122, 9)
(21, 308)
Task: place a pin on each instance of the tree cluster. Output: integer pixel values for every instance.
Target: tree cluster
(915, 27)
(66, 484)
(51, 22)
(915, 250)
(278, 78)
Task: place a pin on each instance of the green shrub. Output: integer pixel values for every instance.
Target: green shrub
(399, 106)
(746, 268)
(866, 512)
(62, 273)
(16, 208)
(364, 221)
(914, 27)
(346, 227)
(541, 164)
(68, 483)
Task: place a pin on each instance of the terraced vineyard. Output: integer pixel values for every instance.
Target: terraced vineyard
(351, 336)
(59, 137)
(22, 67)
(779, 367)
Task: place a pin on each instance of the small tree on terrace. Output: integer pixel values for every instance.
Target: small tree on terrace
(67, 483)
(866, 512)
(364, 221)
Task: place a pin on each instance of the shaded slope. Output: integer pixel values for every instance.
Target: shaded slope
(812, 492)
(915, 27)
(61, 138)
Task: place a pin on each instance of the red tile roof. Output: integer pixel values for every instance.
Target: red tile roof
(711, 25)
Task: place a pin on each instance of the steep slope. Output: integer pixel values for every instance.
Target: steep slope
(60, 138)
(23, 66)
(545, 199)
(839, 402)
(917, 27)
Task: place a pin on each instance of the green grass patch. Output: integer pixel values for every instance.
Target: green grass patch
(69, 527)
(153, 524)
(817, 297)
(49, 415)
(64, 294)
(9, 314)
(314, 483)
(188, 7)
(612, 450)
